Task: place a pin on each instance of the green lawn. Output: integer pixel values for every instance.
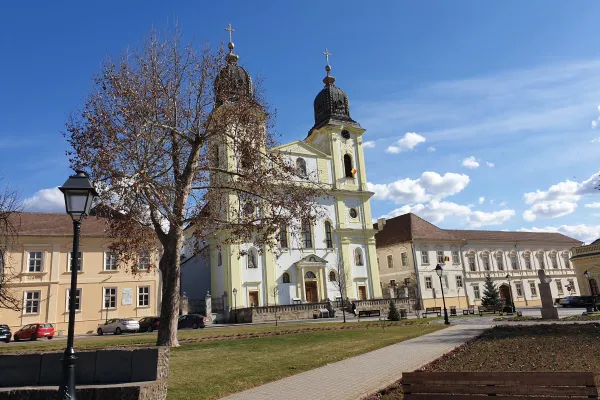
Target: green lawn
(239, 358)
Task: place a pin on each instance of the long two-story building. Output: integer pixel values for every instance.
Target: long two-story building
(409, 247)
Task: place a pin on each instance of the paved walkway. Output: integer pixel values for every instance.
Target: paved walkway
(360, 376)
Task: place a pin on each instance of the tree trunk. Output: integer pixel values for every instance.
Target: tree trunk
(169, 311)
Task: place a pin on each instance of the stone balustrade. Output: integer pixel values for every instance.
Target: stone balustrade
(594, 248)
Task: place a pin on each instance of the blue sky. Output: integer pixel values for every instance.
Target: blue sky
(511, 84)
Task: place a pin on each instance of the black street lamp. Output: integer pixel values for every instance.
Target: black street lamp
(439, 271)
(234, 305)
(589, 279)
(79, 196)
(512, 300)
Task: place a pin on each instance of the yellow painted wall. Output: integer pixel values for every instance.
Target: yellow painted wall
(458, 301)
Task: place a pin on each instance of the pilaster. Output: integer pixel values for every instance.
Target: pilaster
(347, 266)
(373, 269)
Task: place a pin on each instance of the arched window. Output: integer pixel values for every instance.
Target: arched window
(485, 257)
(554, 260)
(540, 257)
(306, 235)
(300, 166)
(348, 166)
(310, 275)
(566, 259)
(513, 261)
(252, 258)
(283, 237)
(499, 261)
(219, 258)
(328, 235)
(285, 278)
(332, 276)
(527, 258)
(471, 260)
(358, 256)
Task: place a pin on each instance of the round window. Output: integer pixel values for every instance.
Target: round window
(345, 134)
(353, 213)
(249, 208)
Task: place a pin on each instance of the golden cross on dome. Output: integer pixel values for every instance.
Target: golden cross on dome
(326, 54)
(230, 30)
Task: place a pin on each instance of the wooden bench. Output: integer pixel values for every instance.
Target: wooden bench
(501, 385)
(488, 310)
(369, 313)
(433, 310)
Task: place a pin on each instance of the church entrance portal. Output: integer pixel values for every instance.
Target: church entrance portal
(505, 294)
(312, 295)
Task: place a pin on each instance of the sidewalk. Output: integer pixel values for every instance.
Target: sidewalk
(360, 376)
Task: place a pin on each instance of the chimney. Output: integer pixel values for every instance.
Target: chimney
(380, 224)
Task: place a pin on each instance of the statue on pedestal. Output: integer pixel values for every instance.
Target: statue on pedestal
(548, 309)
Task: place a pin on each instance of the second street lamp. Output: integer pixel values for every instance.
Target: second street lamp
(234, 305)
(439, 271)
(592, 294)
(79, 196)
(512, 300)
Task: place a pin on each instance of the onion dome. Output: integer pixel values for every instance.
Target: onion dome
(233, 82)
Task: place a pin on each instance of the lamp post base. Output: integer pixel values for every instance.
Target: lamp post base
(67, 387)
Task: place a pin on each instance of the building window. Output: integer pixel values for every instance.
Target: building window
(404, 257)
(472, 266)
(390, 260)
(35, 261)
(445, 280)
(332, 276)
(110, 261)
(572, 285)
(486, 261)
(358, 256)
(527, 257)
(285, 278)
(283, 236)
(348, 166)
(306, 233)
(219, 258)
(110, 297)
(500, 261)
(428, 283)
(459, 281)
(533, 289)
(540, 257)
(144, 261)
(554, 260)
(328, 235)
(455, 257)
(300, 166)
(353, 213)
(32, 302)
(559, 287)
(71, 262)
(77, 299)
(424, 257)
(567, 261)
(252, 258)
(310, 275)
(143, 296)
(476, 294)
(513, 261)
(440, 256)
(519, 289)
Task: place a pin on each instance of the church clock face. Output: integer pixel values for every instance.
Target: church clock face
(345, 134)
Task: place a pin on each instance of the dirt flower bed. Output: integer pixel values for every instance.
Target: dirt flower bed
(592, 317)
(517, 319)
(569, 348)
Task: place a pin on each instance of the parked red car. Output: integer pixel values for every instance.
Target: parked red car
(34, 331)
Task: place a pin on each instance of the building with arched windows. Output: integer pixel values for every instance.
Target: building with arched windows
(409, 247)
(309, 255)
(587, 259)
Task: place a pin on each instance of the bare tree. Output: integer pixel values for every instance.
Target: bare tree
(342, 277)
(274, 291)
(10, 206)
(173, 138)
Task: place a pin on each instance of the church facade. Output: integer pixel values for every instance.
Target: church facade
(304, 265)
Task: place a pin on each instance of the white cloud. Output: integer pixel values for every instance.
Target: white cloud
(585, 233)
(434, 212)
(594, 124)
(490, 164)
(481, 200)
(408, 142)
(492, 201)
(596, 140)
(369, 144)
(430, 186)
(470, 162)
(431, 149)
(480, 218)
(45, 200)
(593, 205)
(503, 204)
(549, 209)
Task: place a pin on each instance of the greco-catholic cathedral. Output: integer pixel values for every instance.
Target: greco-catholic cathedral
(303, 268)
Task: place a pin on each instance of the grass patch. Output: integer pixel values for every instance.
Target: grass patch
(588, 317)
(535, 348)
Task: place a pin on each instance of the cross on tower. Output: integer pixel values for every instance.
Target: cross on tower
(327, 54)
(230, 30)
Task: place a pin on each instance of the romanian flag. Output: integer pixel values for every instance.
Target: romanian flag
(353, 171)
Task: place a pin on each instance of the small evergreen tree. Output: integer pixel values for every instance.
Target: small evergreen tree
(491, 295)
(393, 314)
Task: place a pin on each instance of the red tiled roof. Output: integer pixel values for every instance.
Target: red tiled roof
(409, 227)
(45, 224)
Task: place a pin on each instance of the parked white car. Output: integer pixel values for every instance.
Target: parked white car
(118, 326)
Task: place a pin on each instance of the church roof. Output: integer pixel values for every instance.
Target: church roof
(233, 82)
(300, 147)
(47, 224)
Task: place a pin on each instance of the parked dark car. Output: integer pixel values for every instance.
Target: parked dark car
(34, 331)
(5, 333)
(149, 324)
(578, 301)
(193, 321)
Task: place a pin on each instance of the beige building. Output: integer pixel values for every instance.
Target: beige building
(587, 258)
(410, 246)
(39, 266)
